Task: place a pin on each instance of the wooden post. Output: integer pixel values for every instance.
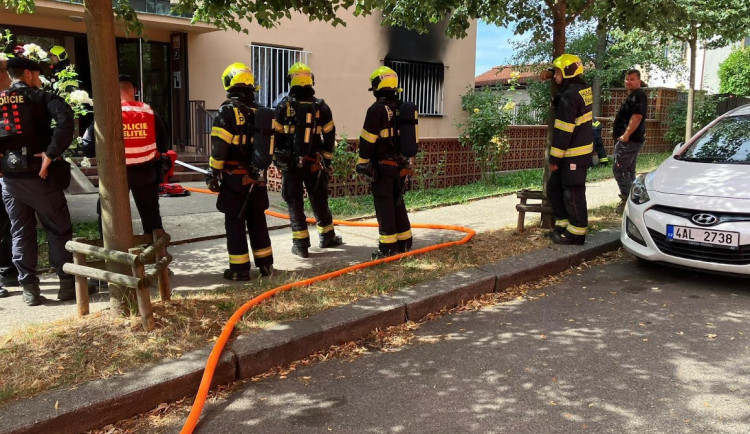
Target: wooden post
(165, 290)
(142, 293)
(521, 214)
(82, 283)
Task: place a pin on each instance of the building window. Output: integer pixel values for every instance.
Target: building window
(422, 84)
(270, 65)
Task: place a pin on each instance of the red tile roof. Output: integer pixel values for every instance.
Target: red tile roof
(500, 75)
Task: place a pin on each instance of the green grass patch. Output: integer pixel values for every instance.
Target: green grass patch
(504, 183)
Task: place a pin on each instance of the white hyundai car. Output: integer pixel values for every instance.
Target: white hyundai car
(694, 209)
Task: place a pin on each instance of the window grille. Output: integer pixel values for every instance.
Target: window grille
(270, 65)
(422, 84)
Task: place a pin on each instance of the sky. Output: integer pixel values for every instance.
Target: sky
(493, 46)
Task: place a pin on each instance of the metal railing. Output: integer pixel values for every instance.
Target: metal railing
(270, 65)
(422, 84)
(201, 121)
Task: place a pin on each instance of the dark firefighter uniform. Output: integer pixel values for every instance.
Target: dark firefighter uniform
(599, 149)
(571, 152)
(25, 131)
(306, 166)
(63, 61)
(380, 161)
(242, 206)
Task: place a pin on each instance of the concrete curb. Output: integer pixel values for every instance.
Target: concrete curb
(101, 402)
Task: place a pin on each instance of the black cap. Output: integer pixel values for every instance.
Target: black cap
(22, 63)
(129, 79)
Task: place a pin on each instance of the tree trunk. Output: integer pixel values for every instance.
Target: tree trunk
(691, 86)
(601, 50)
(110, 148)
(558, 48)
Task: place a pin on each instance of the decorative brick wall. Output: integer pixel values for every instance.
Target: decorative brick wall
(444, 162)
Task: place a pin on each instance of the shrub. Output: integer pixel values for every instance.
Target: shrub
(734, 73)
(703, 113)
(490, 113)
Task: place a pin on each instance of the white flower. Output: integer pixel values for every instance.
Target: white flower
(45, 82)
(85, 162)
(34, 52)
(3, 57)
(80, 97)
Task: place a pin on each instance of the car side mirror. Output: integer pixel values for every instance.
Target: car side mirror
(677, 148)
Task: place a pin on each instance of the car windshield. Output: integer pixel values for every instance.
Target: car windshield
(728, 141)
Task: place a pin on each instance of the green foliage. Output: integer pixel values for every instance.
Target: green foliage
(344, 162)
(489, 113)
(704, 113)
(734, 73)
(623, 51)
(536, 110)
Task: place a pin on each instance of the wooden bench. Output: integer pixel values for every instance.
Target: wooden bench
(524, 207)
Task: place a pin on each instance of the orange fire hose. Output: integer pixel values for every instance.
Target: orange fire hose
(213, 358)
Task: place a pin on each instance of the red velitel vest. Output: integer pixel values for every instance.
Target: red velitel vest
(139, 129)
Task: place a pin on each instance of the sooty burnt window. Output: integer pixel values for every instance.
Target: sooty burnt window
(270, 65)
(422, 84)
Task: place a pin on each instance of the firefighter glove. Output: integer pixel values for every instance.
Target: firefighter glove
(367, 171)
(212, 180)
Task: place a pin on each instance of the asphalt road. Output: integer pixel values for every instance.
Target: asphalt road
(621, 348)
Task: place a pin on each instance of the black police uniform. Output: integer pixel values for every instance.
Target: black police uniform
(571, 151)
(143, 179)
(27, 131)
(231, 141)
(378, 148)
(305, 171)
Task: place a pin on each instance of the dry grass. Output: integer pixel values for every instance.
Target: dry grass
(73, 351)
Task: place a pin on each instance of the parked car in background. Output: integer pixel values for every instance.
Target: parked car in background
(694, 209)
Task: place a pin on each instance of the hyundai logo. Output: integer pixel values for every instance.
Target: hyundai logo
(704, 219)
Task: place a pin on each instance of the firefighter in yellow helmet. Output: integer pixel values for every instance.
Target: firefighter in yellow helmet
(571, 151)
(235, 175)
(303, 149)
(382, 162)
(59, 61)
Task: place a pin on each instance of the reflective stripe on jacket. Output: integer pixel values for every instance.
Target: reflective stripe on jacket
(139, 131)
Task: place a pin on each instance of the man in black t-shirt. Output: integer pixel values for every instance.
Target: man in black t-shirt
(629, 132)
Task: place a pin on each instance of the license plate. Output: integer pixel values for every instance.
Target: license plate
(702, 236)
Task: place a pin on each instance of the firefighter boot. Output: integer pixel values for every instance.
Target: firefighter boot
(330, 241)
(300, 250)
(68, 288)
(235, 275)
(266, 270)
(32, 295)
(4, 292)
(566, 238)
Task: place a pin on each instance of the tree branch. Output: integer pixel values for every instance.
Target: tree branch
(579, 11)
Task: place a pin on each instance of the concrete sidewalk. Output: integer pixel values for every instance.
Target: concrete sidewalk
(198, 266)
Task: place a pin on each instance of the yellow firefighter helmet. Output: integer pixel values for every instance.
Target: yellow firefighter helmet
(238, 74)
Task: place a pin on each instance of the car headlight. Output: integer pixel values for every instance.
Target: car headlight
(639, 194)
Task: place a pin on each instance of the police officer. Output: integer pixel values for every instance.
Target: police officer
(381, 163)
(571, 151)
(8, 272)
(243, 197)
(305, 137)
(146, 136)
(29, 144)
